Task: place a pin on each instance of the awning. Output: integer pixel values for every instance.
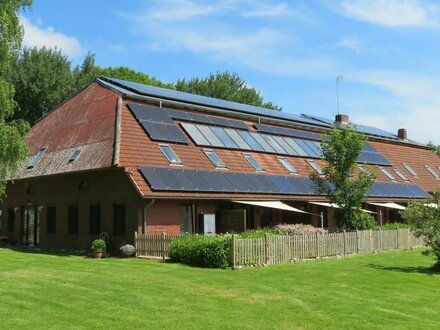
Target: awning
(389, 205)
(272, 204)
(431, 205)
(336, 206)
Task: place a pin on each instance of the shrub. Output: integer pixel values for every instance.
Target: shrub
(202, 251)
(98, 245)
(394, 226)
(127, 250)
(258, 233)
(299, 229)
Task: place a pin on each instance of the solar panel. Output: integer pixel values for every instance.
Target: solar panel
(195, 134)
(204, 119)
(370, 155)
(224, 137)
(148, 113)
(176, 179)
(287, 132)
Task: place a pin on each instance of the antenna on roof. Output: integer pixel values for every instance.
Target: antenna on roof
(338, 78)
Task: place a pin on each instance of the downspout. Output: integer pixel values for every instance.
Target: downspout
(117, 132)
(144, 216)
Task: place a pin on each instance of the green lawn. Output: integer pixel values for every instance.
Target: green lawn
(388, 290)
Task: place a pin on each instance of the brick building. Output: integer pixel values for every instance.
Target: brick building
(120, 157)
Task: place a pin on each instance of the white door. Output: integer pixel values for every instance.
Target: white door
(209, 223)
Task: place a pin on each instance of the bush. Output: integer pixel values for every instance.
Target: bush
(299, 229)
(127, 250)
(202, 251)
(258, 233)
(98, 245)
(394, 226)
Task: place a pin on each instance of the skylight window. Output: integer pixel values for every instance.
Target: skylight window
(74, 155)
(388, 174)
(363, 169)
(410, 170)
(36, 159)
(400, 174)
(430, 170)
(170, 154)
(315, 166)
(214, 158)
(287, 165)
(255, 164)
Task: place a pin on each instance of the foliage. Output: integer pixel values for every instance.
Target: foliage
(127, 250)
(425, 222)
(434, 147)
(42, 78)
(339, 182)
(394, 226)
(12, 148)
(225, 86)
(202, 251)
(258, 233)
(98, 245)
(299, 229)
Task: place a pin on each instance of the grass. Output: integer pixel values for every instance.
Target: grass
(389, 290)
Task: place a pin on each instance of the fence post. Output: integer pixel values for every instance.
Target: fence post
(317, 244)
(409, 239)
(163, 245)
(381, 239)
(397, 234)
(345, 243)
(266, 249)
(357, 241)
(233, 254)
(136, 242)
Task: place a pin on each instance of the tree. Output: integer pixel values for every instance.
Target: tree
(424, 220)
(435, 148)
(339, 183)
(225, 86)
(42, 79)
(12, 148)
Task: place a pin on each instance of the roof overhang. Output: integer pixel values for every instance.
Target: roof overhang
(389, 205)
(273, 205)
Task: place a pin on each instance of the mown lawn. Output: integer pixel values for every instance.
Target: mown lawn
(388, 290)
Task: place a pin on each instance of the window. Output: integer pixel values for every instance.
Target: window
(388, 174)
(363, 169)
(74, 155)
(73, 220)
(186, 219)
(287, 165)
(36, 159)
(169, 154)
(255, 164)
(95, 219)
(400, 174)
(410, 170)
(315, 166)
(119, 219)
(51, 223)
(430, 170)
(214, 158)
(11, 220)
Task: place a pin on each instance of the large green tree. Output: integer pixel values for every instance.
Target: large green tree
(12, 148)
(42, 79)
(225, 86)
(341, 182)
(434, 147)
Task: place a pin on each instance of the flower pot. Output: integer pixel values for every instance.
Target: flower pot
(98, 254)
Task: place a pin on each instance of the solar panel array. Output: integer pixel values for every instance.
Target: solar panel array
(287, 132)
(229, 138)
(157, 123)
(177, 179)
(204, 119)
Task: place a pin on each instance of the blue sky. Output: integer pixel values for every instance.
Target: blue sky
(292, 51)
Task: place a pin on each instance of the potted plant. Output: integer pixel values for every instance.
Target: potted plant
(98, 248)
(127, 250)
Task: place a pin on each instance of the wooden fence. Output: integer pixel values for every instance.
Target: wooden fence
(288, 248)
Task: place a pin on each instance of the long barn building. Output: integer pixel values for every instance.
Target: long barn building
(121, 157)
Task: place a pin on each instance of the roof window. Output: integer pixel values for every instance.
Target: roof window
(315, 166)
(74, 155)
(430, 170)
(388, 174)
(36, 159)
(410, 170)
(363, 169)
(255, 164)
(170, 154)
(214, 158)
(400, 174)
(287, 165)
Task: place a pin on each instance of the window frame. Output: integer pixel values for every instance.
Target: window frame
(431, 170)
(210, 153)
(162, 148)
(318, 169)
(253, 162)
(410, 169)
(286, 164)
(387, 173)
(400, 174)
(36, 158)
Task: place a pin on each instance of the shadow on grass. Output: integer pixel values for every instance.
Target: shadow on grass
(433, 270)
(59, 253)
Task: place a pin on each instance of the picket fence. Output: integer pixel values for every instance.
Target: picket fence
(288, 248)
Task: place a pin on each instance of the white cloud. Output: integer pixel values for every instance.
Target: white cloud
(34, 36)
(391, 13)
(352, 43)
(179, 10)
(416, 104)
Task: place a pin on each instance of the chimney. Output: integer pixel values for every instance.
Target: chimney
(341, 119)
(402, 134)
